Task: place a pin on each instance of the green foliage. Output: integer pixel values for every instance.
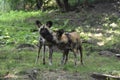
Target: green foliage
(18, 16)
(4, 6)
(7, 5)
(13, 22)
(15, 28)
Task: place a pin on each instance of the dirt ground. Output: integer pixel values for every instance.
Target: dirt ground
(35, 74)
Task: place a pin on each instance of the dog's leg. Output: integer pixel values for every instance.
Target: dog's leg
(44, 54)
(81, 55)
(75, 56)
(63, 58)
(50, 54)
(39, 49)
(66, 56)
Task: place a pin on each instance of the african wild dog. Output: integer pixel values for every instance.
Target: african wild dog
(64, 41)
(69, 41)
(43, 30)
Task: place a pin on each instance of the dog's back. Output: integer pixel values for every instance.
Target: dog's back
(75, 37)
(70, 41)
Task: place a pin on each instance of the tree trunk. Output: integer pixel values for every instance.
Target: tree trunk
(60, 5)
(39, 4)
(63, 5)
(85, 3)
(66, 5)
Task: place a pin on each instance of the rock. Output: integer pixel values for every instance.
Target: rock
(99, 76)
(90, 41)
(106, 53)
(26, 46)
(117, 55)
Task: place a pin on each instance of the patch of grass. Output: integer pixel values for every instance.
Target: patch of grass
(15, 30)
(11, 59)
(19, 15)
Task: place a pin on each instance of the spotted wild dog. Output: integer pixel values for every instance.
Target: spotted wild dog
(43, 31)
(64, 41)
(69, 41)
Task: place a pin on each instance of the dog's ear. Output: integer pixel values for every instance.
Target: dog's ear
(38, 23)
(49, 23)
(60, 32)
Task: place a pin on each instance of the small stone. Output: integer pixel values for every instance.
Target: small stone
(106, 53)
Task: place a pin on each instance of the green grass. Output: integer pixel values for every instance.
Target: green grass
(19, 15)
(15, 61)
(15, 29)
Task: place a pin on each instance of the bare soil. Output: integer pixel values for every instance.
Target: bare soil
(34, 74)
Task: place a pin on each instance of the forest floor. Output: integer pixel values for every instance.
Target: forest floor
(99, 26)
